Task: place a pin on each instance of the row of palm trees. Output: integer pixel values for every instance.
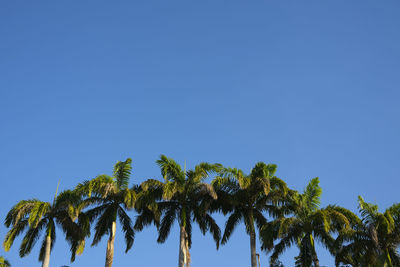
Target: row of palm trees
(283, 217)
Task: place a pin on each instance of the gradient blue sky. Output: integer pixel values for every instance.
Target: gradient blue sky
(312, 86)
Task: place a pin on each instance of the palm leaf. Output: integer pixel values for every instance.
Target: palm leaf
(126, 228)
(122, 172)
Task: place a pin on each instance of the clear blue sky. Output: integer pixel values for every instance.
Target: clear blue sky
(312, 86)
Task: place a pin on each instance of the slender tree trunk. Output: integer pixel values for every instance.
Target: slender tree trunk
(253, 249)
(46, 259)
(110, 246)
(184, 256)
(187, 250)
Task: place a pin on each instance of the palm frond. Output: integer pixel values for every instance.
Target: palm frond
(15, 231)
(122, 172)
(262, 170)
(21, 210)
(101, 186)
(170, 170)
(30, 239)
(312, 194)
(166, 224)
(37, 212)
(230, 225)
(126, 228)
(104, 223)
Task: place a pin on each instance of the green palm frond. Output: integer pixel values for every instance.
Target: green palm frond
(312, 194)
(37, 212)
(104, 223)
(122, 172)
(129, 198)
(30, 238)
(368, 211)
(127, 228)
(170, 170)
(202, 171)
(101, 186)
(170, 189)
(145, 218)
(166, 224)
(263, 170)
(4, 262)
(202, 189)
(230, 225)
(15, 231)
(304, 259)
(21, 210)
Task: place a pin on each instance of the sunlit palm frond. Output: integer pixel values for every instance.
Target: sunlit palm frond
(37, 212)
(122, 172)
(101, 186)
(4, 262)
(263, 170)
(312, 194)
(368, 211)
(15, 231)
(170, 170)
(21, 210)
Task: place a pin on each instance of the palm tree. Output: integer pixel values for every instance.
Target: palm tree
(4, 262)
(307, 223)
(372, 240)
(112, 197)
(182, 197)
(247, 197)
(38, 216)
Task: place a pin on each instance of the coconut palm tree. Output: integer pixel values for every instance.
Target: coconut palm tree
(111, 197)
(4, 262)
(372, 240)
(38, 216)
(307, 224)
(182, 198)
(247, 198)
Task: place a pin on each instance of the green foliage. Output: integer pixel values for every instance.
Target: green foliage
(306, 223)
(185, 198)
(372, 240)
(182, 197)
(4, 262)
(109, 197)
(35, 217)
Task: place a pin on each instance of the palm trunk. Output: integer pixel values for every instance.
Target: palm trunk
(187, 250)
(253, 249)
(184, 256)
(46, 259)
(110, 246)
(315, 259)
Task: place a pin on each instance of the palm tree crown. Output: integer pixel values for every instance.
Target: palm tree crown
(307, 223)
(38, 216)
(247, 197)
(182, 197)
(372, 240)
(112, 197)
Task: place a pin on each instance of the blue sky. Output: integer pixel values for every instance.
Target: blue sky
(312, 86)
